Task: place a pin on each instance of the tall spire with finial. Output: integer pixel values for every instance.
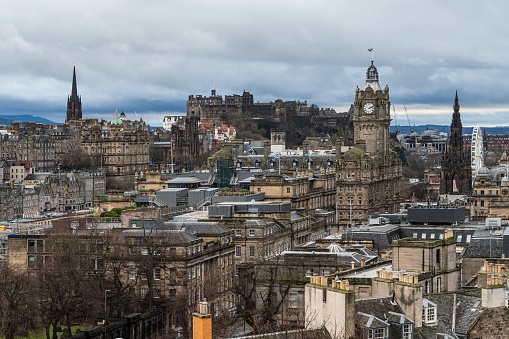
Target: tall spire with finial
(74, 111)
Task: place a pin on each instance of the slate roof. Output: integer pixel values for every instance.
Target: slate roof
(198, 228)
(316, 333)
(386, 312)
(173, 237)
(466, 309)
(484, 248)
(382, 236)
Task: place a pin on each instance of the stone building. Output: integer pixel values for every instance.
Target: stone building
(119, 146)
(490, 193)
(456, 176)
(369, 174)
(303, 190)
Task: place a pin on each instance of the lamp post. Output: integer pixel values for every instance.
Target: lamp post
(105, 311)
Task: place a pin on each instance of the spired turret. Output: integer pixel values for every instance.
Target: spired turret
(74, 111)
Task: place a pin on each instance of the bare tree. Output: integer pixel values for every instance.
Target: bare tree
(17, 314)
(261, 290)
(67, 289)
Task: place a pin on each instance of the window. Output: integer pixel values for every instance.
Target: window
(173, 292)
(143, 276)
(292, 298)
(132, 275)
(429, 315)
(251, 251)
(288, 190)
(325, 271)
(157, 273)
(414, 236)
(423, 236)
(377, 333)
(407, 331)
(144, 292)
(438, 256)
(460, 237)
(432, 236)
(157, 293)
(238, 251)
(469, 237)
(144, 251)
(238, 233)
(251, 233)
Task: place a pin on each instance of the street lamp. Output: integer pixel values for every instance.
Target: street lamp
(105, 311)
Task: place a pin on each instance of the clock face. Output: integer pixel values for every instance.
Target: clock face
(369, 108)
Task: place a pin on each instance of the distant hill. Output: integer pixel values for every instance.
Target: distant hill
(447, 129)
(9, 119)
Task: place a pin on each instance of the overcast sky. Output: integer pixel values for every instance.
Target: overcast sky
(148, 56)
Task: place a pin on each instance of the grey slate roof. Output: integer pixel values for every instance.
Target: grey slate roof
(198, 228)
(386, 312)
(484, 248)
(173, 237)
(316, 333)
(467, 310)
(382, 236)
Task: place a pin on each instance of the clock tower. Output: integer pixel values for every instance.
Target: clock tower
(368, 175)
(371, 115)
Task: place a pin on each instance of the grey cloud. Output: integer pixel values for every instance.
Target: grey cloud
(155, 54)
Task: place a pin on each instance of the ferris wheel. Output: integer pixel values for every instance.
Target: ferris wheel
(477, 151)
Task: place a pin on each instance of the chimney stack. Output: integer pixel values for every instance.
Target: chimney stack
(202, 322)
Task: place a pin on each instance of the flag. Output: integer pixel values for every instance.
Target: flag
(276, 157)
(370, 49)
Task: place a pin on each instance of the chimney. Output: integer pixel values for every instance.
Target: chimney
(493, 294)
(202, 322)
(408, 294)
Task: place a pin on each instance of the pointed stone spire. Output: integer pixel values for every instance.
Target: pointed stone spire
(74, 111)
(74, 91)
(456, 106)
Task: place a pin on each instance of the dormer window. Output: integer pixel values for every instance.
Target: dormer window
(377, 333)
(429, 312)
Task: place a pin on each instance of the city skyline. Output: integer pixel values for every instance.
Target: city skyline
(148, 59)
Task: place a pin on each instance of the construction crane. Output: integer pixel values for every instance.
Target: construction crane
(409, 125)
(395, 120)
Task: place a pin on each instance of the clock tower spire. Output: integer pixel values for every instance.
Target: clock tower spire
(371, 116)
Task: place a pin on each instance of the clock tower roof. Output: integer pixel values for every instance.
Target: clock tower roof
(372, 78)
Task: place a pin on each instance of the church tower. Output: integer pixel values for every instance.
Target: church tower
(456, 176)
(74, 101)
(371, 115)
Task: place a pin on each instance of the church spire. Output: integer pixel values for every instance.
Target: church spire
(74, 101)
(74, 91)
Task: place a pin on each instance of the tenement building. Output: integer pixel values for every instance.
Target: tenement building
(369, 174)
